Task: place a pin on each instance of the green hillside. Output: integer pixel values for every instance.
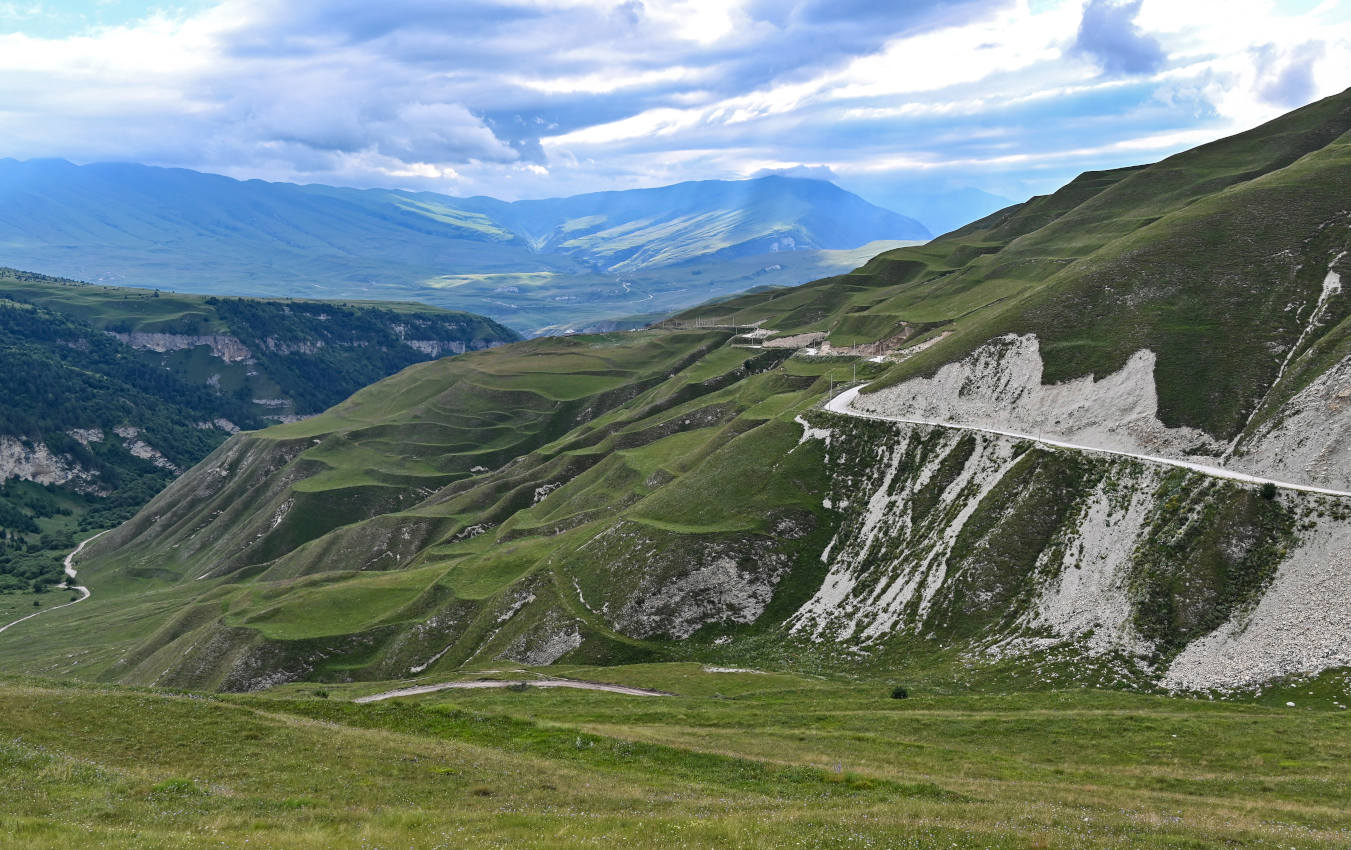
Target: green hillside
(674, 493)
(110, 392)
(1196, 258)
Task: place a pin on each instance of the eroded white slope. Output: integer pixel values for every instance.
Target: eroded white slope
(1309, 438)
(888, 568)
(884, 567)
(998, 387)
(1089, 597)
(1301, 625)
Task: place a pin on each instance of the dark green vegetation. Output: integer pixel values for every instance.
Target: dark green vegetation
(555, 264)
(746, 760)
(109, 392)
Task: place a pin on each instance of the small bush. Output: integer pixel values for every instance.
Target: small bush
(321, 693)
(899, 692)
(1268, 491)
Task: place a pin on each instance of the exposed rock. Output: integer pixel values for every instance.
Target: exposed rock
(435, 347)
(554, 637)
(1309, 438)
(1301, 625)
(910, 560)
(85, 436)
(223, 424)
(131, 439)
(656, 587)
(277, 346)
(31, 460)
(227, 348)
(719, 589)
(999, 386)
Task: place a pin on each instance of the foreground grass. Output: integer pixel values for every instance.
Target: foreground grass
(735, 760)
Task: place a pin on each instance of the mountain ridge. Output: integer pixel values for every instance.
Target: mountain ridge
(538, 265)
(677, 493)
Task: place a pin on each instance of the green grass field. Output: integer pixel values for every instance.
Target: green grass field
(758, 760)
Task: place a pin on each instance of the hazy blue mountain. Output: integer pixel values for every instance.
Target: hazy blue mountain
(537, 265)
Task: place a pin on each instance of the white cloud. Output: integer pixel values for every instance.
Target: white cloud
(519, 97)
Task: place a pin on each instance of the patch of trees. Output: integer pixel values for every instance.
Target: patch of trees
(348, 348)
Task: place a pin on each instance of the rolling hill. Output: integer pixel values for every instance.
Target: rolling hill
(537, 266)
(1012, 501)
(110, 391)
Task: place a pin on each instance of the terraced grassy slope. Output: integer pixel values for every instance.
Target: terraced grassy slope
(732, 759)
(672, 493)
(1213, 259)
(110, 392)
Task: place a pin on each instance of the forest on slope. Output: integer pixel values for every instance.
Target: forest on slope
(111, 392)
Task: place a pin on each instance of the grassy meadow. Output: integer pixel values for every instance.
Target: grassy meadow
(743, 759)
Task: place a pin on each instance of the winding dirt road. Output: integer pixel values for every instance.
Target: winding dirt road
(70, 574)
(841, 404)
(502, 683)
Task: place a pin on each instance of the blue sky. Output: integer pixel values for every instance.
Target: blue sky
(899, 101)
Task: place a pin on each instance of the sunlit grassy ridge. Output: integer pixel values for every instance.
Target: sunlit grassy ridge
(1211, 259)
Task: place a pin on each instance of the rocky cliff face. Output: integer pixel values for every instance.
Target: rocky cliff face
(227, 348)
(1161, 575)
(31, 460)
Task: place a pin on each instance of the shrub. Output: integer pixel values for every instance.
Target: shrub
(899, 692)
(1268, 491)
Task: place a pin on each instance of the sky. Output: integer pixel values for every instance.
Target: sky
(907, 103)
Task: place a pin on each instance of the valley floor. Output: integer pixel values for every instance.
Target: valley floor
(731, 759)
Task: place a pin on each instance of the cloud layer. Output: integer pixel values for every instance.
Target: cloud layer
(546, 97)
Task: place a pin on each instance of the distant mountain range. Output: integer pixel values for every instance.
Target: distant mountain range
(538, 266)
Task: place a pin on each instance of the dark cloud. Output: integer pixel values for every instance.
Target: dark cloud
(1109, 35)
(1286, 79)
(631, 12)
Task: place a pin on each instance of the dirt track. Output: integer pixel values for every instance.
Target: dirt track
(841, 404)
(70, 574)
(502, 683)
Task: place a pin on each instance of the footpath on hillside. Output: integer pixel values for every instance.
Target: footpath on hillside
(65, 584)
